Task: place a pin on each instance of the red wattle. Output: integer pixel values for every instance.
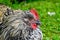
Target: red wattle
(34, 26)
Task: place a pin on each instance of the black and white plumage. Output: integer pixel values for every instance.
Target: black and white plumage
(17, 26)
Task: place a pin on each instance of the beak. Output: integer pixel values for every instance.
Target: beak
(38, 22)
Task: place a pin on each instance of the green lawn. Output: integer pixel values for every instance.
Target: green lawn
(50, 25)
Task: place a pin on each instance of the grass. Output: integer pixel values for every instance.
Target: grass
(50, 25)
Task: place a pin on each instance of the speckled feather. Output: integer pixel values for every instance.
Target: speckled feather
(17, 27)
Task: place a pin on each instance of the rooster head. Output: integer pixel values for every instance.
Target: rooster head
(36, 18)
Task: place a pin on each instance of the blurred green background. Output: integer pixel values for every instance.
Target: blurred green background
(50, 23)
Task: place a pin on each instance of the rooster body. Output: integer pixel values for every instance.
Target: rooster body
(18, 26)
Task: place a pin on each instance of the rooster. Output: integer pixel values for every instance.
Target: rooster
(21, 25)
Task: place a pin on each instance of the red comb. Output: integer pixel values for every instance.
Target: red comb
(35, 13)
